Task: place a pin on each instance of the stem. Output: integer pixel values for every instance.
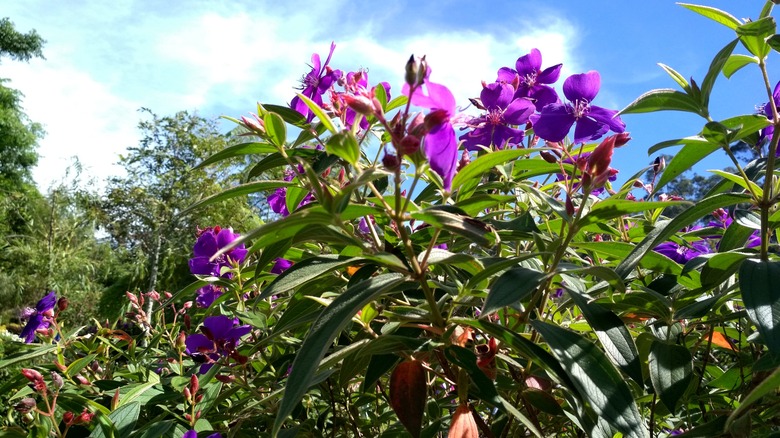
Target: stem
(766, 200)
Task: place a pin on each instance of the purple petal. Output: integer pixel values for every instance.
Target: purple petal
(282, 265)
(28, 333)
(503, 135)
(519, 111)
(225, 237)
(543, 95)
(236, 333)
(46, 303)
(475, 139)
(550, 75)
(190, 434)
(206, 295)
(506, 74)
(202, 266)
(433, 96)
(496, 95)
(608, 117)
(206, 245)
(530, 63)
(238, 254)
(218, 325)
(671, 250)
(554, 122)
(588, 129)
(583, 86)
(197, 342)
(441, 148)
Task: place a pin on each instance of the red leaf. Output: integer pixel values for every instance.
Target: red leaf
(408, 393)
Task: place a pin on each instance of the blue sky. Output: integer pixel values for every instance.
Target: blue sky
(105, 60)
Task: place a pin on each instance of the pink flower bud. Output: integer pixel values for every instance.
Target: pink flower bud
(67, 417)
(360, 104)
(32, 375)
(409, 145)
(255, 124)
(194, 383)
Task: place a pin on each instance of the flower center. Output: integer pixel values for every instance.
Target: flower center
(580, 108)
(530, 79)
(495, 116)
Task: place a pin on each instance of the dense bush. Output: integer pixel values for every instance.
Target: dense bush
(438, 273)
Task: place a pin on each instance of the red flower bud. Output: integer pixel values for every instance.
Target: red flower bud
(31, 374)
(194, 383)
(359, 103)
(62, 304)
(463, 424)
(67, 417)
(409, 145)
(391, 162)
(84, 418)
(435, 118)
(26, 405)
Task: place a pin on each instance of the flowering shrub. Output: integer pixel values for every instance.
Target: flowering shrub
(435, 273)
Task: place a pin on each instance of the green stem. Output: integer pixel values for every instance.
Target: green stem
(766, 199)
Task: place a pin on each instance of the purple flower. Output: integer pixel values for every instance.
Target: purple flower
(440, 144)
(278, 199)
(316, 83)
(531, 79)
(193, 434)
(281, 265)
(503, 109)
(220, 339)
(682, 254)
(207, 295)
(40, 318)
(209, 242)
(556, 119)
(356, 84)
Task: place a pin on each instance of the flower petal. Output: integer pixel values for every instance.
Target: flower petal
(553, 123)
(206, 245)
(202, 266)
(583, 86)
(506, 74)
(543, 95)
(28, 333)
(441, 148)
(588, 129)
(196, 343)
(496, 95)
(46, 303)
(530, 63)
(608, 117)
(519, 111)
(225, 237)
(218, 325)
(550, 75)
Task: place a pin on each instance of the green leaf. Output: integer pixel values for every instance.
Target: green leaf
(123, 418)
(714, 14)
(484, 163)
(689, 155)
(327, 326)
(472, 229)
(237, 151)
(275, 160)
(665, 231)
(597, 380)
(681, 81)
(774, 43)
(612, 208)
(720, 267)
(758, 282)
(754, 34)
(745, 125)
(712, 74)
(613, 334)
(671, 370)
(664, 99)
(344, 145)
(288, 114)
(23, 356)
(306, 271)
(275, 129)
(620, 250)
(319, 112)
(697, 139)
(750, 186)
(234, 192)
(511, 287)
(736, 62)
(769, 384)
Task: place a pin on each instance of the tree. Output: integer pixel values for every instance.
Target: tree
(143, 209)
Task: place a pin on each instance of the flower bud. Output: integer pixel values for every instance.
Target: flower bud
(391, 162)
(32, 375)
(659, 164)
(194, 383)
(412, 71)
(360, 104)
(548, 157)
(62, 304)
(409, 145)
(423, 71)
(225, 378)
(115, 400)
(68, 417)
(180, 341)
(436, 118)
(25, 405)
(257, 126)
(465, 159)
(463, 424)
(417, 125)
(84, 418)
(187, 394)
(56, 379)
(81, 379)
(621, 139)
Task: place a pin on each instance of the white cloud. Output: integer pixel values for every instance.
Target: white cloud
(210, 58)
